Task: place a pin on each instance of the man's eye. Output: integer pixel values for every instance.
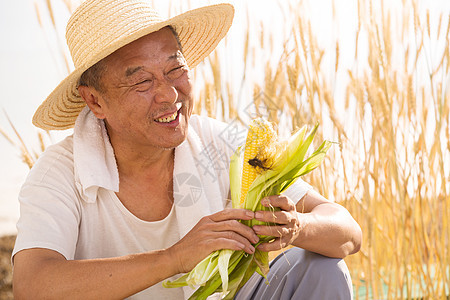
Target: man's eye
(176, 72)
(144, 82)
(143, 85)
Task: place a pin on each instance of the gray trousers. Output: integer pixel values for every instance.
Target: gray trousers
(300, 274)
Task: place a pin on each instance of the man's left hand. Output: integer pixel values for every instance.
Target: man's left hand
(287, 227)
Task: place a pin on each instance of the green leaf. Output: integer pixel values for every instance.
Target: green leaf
(204, 270)
(224, 259)
(307, 166)
(236, 166)
(262, 261)
(238, 276)
(180, 282)
(213, 284)
(251, 269)
(208, 289)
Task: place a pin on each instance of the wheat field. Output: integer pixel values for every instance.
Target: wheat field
(385, 100)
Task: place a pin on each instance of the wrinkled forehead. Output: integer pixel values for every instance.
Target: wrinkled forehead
(151, 45)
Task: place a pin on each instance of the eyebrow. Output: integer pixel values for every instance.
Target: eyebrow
(130, 71)
(177, 55)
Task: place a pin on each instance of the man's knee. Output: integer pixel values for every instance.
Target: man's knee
(322, 267)
(301, 275)
(315, 275)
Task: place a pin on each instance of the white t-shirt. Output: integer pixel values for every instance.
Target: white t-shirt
(68, 202)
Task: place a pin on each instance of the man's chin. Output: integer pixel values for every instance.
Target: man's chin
(177, 139)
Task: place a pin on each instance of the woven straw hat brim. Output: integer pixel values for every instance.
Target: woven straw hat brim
(199, 31)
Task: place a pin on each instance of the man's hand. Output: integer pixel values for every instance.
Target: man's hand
(218, 231)
(314, 224)
(287, 227)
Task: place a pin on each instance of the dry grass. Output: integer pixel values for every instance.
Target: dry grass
(392, 167)
(28, 157)
(6, 247)
(389, 110)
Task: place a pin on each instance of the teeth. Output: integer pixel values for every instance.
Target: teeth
(168, 119)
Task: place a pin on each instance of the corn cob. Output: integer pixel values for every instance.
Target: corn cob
(258, 152)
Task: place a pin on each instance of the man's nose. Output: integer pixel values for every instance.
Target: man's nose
(166, 92)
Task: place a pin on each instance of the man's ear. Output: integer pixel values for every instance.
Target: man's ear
(91, 97)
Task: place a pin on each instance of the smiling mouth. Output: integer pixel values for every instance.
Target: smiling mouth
(172, 117)
(167, 119)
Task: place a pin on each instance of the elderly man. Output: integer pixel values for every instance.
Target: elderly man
(102, 213)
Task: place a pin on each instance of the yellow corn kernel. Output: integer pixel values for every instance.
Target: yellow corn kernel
(260, 138)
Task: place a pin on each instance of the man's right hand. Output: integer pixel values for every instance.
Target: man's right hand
(221, 230)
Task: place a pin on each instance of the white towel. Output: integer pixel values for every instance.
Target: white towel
(91, 147)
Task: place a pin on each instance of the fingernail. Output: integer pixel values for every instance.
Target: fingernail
(265, 201)
(258, 215)
(255, 239)
(249, 214)
(251, 248)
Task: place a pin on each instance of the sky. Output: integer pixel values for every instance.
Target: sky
(31, 66)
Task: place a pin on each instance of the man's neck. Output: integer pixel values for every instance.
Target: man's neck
(146, 181)
(150, 161)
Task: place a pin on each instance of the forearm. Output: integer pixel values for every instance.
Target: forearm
(43, 273)
(330, 230)
(111, 278)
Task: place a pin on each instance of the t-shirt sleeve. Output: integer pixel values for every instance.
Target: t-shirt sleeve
(49, 213)
(297, 190)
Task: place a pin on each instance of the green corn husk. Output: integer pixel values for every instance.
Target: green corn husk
(225, 270)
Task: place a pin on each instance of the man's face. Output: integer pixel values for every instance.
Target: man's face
(147, 98)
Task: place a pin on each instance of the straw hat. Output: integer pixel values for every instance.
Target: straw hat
(99, 27)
